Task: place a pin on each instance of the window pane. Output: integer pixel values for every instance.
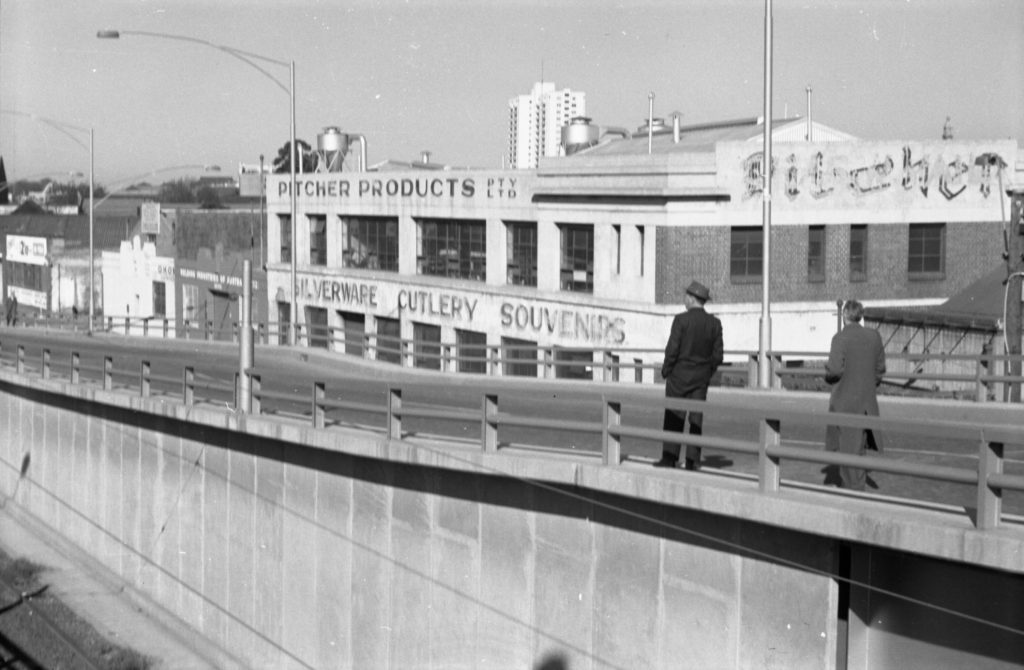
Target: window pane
(858, 253)
(816, 253)
(370, 243)
(746, 254)
(577, 269)
(926, 246)
(452, 248)
(522, 253)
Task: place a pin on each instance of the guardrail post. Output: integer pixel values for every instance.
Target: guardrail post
(234, 332)
(145, 327)
(638, 370)
(406, 347)
(611, 443)
(108, 373)
(76, 367)
(237, 394)
(395, 413)
(127, 325)
(256, 388)
(207, 330)
(46, 363)
(752, 372)
(110, 324)
(990, 500)
(768, 470)
(318, 404)
(494, 361)
(609, 367)
(167, 327)
(548, 356)
(144, 370)
(775, 363)
(489, 425)
(188, 386)
(21, 359)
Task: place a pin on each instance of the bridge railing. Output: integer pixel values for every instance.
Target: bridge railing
(772, 447)
(981, 377)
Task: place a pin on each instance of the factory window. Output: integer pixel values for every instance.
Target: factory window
(816, 253)
(285, 226)
(369, 242)
(640, 230)
(519, 357)
(577, 270)
(426, 340)
(317, 239)
(452, 248)
(858, 253)
(353, 329)
(389, 340)
(471, 351)
(284, 321)
(617, 247)
(318, 332)
(926, 252)
(746, 254)
(159, 298)
(522, 253)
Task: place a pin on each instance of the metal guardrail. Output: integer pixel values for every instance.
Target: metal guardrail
(988, 478)
(982, 377)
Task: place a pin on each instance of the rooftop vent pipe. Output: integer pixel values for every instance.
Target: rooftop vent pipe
(810, 128)
(579, 134)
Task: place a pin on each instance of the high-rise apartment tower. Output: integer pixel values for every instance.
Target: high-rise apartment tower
(535, 122)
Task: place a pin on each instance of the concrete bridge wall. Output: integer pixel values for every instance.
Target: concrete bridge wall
(294, 548)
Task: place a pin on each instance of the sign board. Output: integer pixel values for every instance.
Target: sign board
(24, 249)
(150, 222)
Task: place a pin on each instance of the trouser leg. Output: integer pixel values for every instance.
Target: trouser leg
(855, 478)
(674, 422)
(692, 450)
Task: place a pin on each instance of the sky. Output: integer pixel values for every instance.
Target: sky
(437, 75)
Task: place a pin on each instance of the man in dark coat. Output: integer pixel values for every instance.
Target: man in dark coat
(856, 363)
(693, 353)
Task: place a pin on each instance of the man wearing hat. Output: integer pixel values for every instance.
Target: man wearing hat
(693, 353)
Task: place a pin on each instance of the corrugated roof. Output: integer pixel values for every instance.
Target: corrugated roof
(74, 230)
(978, 307)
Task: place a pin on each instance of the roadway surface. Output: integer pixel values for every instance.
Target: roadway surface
(293, 371)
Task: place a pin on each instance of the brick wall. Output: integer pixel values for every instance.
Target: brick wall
(702, 253)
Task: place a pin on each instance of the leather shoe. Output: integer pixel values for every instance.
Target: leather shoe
(666, 463)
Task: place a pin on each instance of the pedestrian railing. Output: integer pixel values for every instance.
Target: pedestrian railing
(772, 447)
(983, 377)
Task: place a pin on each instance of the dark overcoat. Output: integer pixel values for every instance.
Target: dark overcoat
(693, 353)
(856, 364)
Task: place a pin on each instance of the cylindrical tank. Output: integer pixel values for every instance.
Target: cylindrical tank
(331, 147)
(657, 123)
(579, 134)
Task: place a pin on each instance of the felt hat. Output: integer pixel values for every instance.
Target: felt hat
(698, 290)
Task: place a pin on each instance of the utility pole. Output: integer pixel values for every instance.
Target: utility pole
(1014, 270)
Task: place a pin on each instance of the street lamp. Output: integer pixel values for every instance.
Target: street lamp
(127, 181)
(764, 379)
(247, 58)
(64, 128)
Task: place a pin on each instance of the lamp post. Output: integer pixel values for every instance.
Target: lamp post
(64, 128)
(765, 340)
(247, 58)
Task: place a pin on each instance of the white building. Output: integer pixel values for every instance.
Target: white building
(536, 120)
(593, 251)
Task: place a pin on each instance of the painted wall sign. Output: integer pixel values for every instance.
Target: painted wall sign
(585, 327)
(485, 187)
(24, 249)
(539, 320)
(940, 173)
